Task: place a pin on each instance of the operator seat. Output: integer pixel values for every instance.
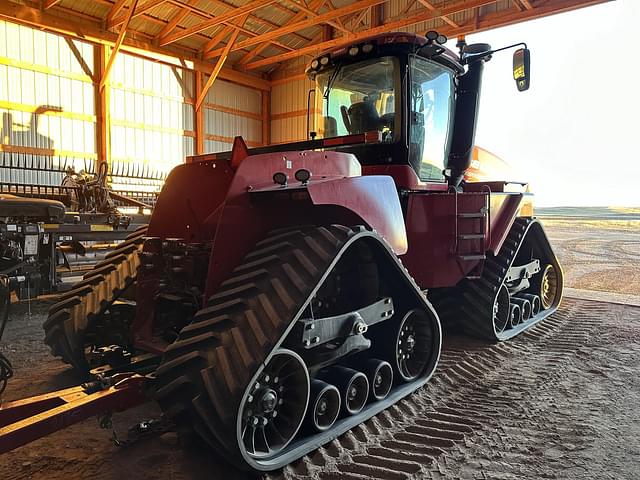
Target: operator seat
(330, 127)
(363, 117)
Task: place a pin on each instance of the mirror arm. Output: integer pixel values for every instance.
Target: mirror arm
(478, 56)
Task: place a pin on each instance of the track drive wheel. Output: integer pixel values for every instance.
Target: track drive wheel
(548, 286)
(414, 340)
(282, 387)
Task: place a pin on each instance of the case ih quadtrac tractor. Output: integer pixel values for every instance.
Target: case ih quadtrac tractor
(284, 294)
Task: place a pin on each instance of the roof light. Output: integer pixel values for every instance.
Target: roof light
(303, 175)
(324, 61)
(280, 178)
(367, 48)
(442, 39)
(432, 35)
(353, 51)
(315, 64)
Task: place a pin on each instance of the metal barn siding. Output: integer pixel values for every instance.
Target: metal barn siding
(46, 104)
(151, 114)
(289, 96)
(231, 110)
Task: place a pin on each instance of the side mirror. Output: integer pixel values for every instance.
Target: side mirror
(521, 68)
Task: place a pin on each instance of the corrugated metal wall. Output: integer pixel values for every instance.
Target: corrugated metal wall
(46, 104)
(151, 113)
(231, 110)
(289, 104)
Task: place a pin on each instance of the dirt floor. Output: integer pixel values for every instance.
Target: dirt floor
(557, 402)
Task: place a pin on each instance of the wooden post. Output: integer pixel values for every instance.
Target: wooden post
(102, 105)
(266, 117)
(199, 114)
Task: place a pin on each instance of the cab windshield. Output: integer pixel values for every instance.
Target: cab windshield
(360, 97)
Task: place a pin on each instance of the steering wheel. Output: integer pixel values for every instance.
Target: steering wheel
(345, 118)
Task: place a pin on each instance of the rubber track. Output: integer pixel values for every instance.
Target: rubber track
(69, 317)
(471, 302)
(203, 374)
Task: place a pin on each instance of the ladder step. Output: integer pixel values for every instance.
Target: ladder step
(472, 257)
(472, 215)
(470, 236)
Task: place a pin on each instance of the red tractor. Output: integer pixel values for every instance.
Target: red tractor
(282, 295)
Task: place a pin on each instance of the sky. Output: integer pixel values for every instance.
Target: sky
(574, 134)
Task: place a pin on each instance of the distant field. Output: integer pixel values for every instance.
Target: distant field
(599, 213)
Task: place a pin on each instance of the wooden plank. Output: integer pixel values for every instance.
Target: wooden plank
(116, 48)
(291, 27)
(216, 70)
(217, 20)
(313, 12)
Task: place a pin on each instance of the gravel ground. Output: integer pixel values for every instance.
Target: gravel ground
(557, 402)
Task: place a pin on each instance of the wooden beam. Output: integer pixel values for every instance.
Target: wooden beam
(139, 11)
(102, 106)
(527, 4)
(314, 5)
(50, 3)
(93, 32)
(216, 69)
(444, 18)
(266, 118)
(217, 39)
(199, 116)
(217, 20)
(115, 10)
(387, 27)
(312, 12)
(291, 27)
(377, 15)
(116, 48)
(173, 23)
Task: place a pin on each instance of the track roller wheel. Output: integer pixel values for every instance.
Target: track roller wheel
(324, 406)
(283, 386)
(515, 316)
(525, 307)
(352, 385)
(413, 345)
(534, 300)
(380, 376)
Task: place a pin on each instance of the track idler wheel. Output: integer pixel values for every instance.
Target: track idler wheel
(324, 406)
(515, 315)
(548, 286)
(352, 385)
(534, 300)
(501, 310)
(413, 345)
(525, 307)
(274, 407)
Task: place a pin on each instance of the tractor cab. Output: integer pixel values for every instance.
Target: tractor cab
(421, 97)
